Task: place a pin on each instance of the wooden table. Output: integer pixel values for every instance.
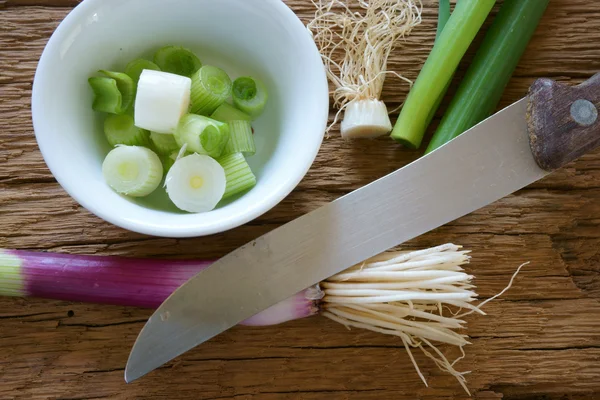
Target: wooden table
(541, 340)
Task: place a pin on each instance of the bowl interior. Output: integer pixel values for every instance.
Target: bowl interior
(259, 38)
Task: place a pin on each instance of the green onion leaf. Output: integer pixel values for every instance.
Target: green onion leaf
(202, 135)
(112, 94)
(164, 143)
(238, 174)
(490, 71)
(241, 139)
(249, 96)
(134, 68)
(177, 60)
(211, 86)
(448, 50)
(120, 129)
(226, 112)
(126, 87)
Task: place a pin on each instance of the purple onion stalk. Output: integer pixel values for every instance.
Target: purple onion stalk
(402, 294)
(122, 281)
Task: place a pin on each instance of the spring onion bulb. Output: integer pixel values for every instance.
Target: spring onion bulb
(132, 170)
(120, 129)
(148, 282)
(211, 86)
(226, 112)
(238, 174)
(162, 99)
(134, 68)
(177, 60)
(241, 139)
(113, 93)
(196, 183)
(364, 39)
(164, 143)
(202, 135)
(250, 96)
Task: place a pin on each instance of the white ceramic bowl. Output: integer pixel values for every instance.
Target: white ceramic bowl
(263, 38)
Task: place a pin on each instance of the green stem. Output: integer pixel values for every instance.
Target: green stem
(449, 49)
(443, 17)
(485, 81)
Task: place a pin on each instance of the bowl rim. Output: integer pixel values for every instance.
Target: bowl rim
(280, 192)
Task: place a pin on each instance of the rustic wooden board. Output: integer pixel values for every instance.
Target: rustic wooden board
(542, 340)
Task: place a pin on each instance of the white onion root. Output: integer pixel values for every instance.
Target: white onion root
(404, 294)
(355, 46)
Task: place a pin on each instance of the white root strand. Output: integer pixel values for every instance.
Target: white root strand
(355, 46)
(406, 294)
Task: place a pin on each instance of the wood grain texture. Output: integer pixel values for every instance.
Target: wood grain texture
(540, 341)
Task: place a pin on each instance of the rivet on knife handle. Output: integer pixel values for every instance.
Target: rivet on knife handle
(563, 121)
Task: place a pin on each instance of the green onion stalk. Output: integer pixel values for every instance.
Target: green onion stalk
(495, 62)
(456, 37)
(401, 293)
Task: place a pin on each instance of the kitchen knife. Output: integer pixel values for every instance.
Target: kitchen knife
(553, 125)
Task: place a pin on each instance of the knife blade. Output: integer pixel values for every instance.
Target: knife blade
(486, 163)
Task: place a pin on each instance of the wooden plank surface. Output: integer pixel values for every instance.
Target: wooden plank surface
(541, 341)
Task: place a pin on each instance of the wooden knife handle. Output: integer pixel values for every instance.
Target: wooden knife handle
(563, 121)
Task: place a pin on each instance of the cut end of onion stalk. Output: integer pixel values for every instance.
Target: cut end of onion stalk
(365, 119)
(132, 170)
(196, 183)
(162, 99)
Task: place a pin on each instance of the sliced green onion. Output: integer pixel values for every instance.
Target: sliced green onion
(226, 112)
(120, 129)
(491, 69)
(241, 139)
(196, 183)
(132, 170)
(177, 60)
(249, 95)
(134, 68)
(448, 50)
(164, 143)
(211, 86)
(162, 99)
(202, 135)
(238, 174)
(112, 94)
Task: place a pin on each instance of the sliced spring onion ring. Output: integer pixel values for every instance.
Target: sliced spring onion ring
(120, 129)
(177, 60)
(113, 93)
(226, 112)
(164, 143)
(249, 95)
(132, 170)
(196, 183)
(202, 135)
(241, 139)
(238, 174)
(162, 98)
(211, 86)
(134, 68)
